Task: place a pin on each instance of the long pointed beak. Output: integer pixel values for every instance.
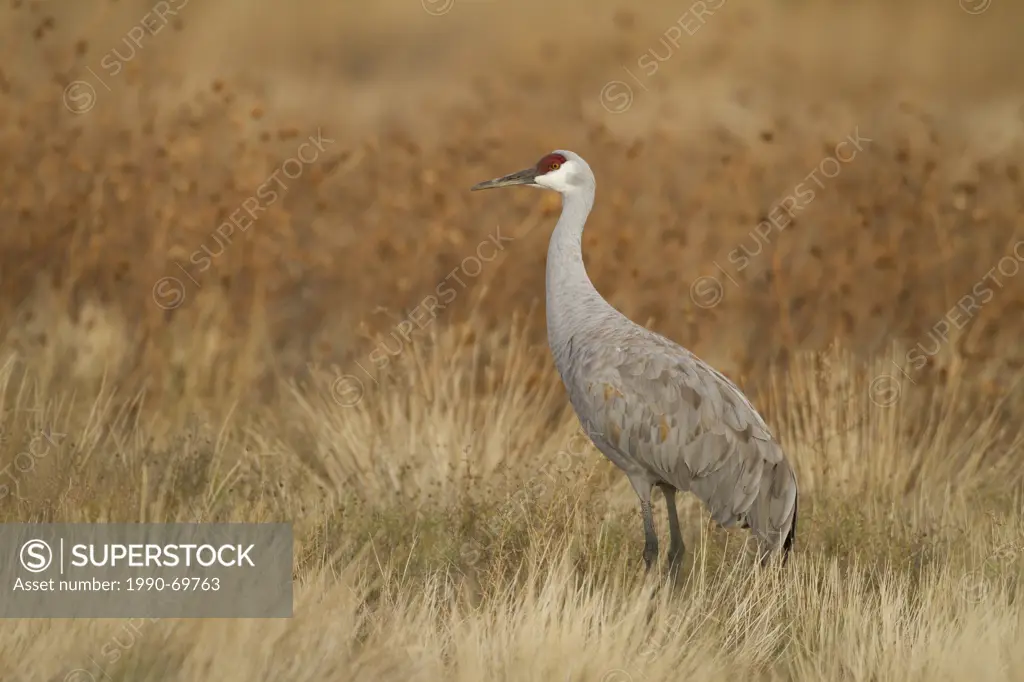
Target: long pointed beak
(523, 177)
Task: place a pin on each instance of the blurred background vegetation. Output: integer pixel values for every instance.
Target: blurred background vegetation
(131, 131)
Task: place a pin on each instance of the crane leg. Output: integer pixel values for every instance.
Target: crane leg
(676, 548)
(643, 487)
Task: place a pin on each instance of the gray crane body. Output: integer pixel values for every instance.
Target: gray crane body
(653, 408)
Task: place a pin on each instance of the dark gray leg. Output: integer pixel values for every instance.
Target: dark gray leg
(650, 537)
(643, 488)
(676, 549)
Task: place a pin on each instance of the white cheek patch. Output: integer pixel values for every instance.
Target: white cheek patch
(557, 180)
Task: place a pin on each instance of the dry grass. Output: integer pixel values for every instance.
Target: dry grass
(452, 523)
(443, 537)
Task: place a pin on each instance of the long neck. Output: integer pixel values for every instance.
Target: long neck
(573, 304)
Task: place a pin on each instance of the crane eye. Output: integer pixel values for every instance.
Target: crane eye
(556, 166)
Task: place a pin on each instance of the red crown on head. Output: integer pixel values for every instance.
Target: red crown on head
(550, 163)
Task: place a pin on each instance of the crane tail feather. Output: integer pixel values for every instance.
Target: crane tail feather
(790, 540)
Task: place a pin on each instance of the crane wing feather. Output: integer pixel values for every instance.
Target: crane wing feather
(659, 408)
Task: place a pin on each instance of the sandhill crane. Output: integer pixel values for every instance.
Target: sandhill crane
(652, 407)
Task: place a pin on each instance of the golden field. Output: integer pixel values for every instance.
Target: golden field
(242, 273)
